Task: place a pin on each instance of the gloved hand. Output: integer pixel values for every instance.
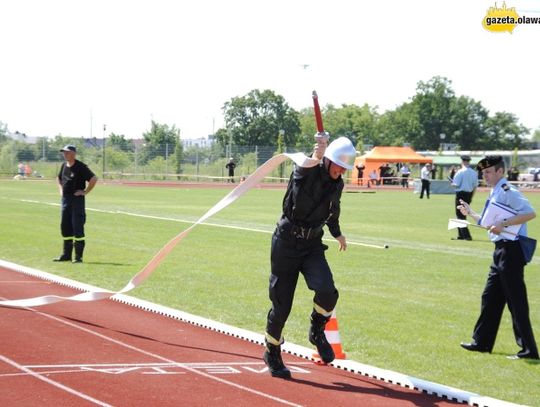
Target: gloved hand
(322, 143)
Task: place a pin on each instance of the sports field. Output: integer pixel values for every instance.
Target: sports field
(405, 309)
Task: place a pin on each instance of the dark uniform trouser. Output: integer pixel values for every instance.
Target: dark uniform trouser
(425, 187)
(463, 233)
(505, 285)
(73, 217)
(289, 258)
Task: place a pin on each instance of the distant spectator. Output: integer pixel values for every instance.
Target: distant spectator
(405, 172)
(512, 174)
(425, 177)
(27, 170)
(20, 169)
(452, 173)
(360, 176)
(373, 178)
(231, 166)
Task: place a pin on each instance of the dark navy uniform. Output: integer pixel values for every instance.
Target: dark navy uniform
(312, 200)
(72, 179)
(505, 284)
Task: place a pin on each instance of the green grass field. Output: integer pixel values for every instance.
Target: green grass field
(405, 309)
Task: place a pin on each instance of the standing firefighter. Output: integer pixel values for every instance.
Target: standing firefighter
(75, 181)
(312, 200)
(231, 166)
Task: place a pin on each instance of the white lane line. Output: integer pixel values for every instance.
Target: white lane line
(53, 383)
(159, 357)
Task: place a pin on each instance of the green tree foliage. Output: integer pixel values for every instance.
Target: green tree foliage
(467, 123)
(504, 132)
(3, 132)
(119, 142)
(397, 127)
(536, 136)
(359, 124)
(160, 141)
(257, 118)
(433, 106)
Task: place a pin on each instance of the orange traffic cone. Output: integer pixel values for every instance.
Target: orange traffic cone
(332, 335)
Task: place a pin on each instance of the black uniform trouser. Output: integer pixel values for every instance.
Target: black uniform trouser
(425, 188)
(463, 233)
(505, 285)
(290, 257)
(73, 217)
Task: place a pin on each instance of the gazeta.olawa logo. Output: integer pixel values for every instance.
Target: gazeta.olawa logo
(505, 19)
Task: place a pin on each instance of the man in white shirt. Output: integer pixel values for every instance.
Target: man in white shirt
(425, 177)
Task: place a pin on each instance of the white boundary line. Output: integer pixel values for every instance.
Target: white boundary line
(52, 382)
(159, 357)
(440, 390)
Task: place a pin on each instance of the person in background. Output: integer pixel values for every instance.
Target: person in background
(513, 174)
(20, 170)
(373, 178)
(505, 283)
(27, 171)
(360, 175)
(312, 200)
(433, 171)
(465, 182)
(75, 181)
(231, 166)
(425, 178)
(405, 172)
(452, 173)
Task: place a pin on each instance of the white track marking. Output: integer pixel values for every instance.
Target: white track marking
(52, 382)
(388, 376)
(144, 352)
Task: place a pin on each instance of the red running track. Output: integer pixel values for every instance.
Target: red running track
(108, 353)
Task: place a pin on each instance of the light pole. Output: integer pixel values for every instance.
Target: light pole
(281, 148)
(442, 136)
(103, 151)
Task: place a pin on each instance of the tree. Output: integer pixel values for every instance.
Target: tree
(433, 105)
(256, 119)
(536, 136)
(160, 141)
(352, 121)
(3, 132)
(504, 132)
(119, 141)
(467, 123)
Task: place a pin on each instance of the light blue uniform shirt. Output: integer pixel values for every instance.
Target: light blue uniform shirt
(514, 199)
(466, 179)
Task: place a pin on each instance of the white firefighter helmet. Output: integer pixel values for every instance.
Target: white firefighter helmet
(341, 152)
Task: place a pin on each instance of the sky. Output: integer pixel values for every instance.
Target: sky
(73, 67)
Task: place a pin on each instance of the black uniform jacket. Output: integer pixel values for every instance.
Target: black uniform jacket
(313, 200)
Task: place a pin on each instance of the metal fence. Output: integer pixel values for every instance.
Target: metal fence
(138, 161)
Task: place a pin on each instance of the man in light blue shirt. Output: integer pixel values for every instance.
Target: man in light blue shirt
(505, 284)
(465, 181)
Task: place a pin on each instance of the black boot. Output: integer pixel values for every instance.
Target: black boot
(79, 250)
(272, 358)
(318, 338)
(66, 255)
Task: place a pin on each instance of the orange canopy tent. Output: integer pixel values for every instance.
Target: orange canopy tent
(382, 155)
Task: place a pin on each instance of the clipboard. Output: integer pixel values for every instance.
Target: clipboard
(496, 212)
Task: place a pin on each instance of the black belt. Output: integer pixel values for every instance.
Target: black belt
(300, 232)
(504, 242)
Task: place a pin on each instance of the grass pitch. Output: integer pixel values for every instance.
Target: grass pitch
(405, 308)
